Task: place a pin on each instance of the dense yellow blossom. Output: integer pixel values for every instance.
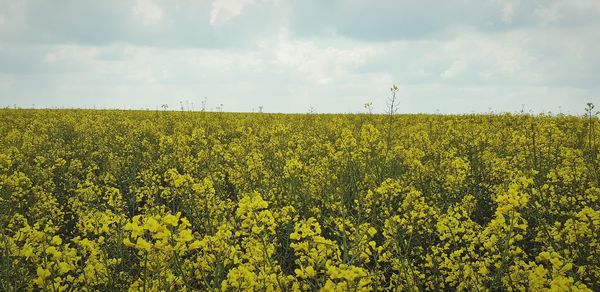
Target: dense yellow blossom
(178, 201)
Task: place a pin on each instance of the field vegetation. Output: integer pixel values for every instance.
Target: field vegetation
(164, 200)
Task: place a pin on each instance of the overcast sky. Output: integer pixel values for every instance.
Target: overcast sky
(288, 56)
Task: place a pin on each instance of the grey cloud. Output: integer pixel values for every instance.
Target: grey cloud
(409, 20)
(182, 24)
(186, 23)
(19, 61)
(91, 22)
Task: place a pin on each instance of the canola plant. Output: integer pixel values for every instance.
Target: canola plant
(157, 200)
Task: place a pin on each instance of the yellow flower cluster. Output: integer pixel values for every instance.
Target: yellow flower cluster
(178, 201)
(161, 243)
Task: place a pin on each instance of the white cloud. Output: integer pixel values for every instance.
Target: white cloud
(71, 54)
(148, 11)
(573, 10)
(507, 9)
(322, 64)
(456, 68)
(224, 10)
(12, 15)
(547, 14)
(506, 55)
(51, 58)
(6, 83)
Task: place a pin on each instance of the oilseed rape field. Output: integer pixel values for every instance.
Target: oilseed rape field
(159, 201)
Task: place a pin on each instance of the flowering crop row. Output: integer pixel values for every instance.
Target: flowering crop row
(149, 200)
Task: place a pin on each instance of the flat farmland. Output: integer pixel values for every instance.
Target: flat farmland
(165, 200)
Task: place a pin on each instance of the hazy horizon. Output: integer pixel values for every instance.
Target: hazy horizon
(289, 56)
